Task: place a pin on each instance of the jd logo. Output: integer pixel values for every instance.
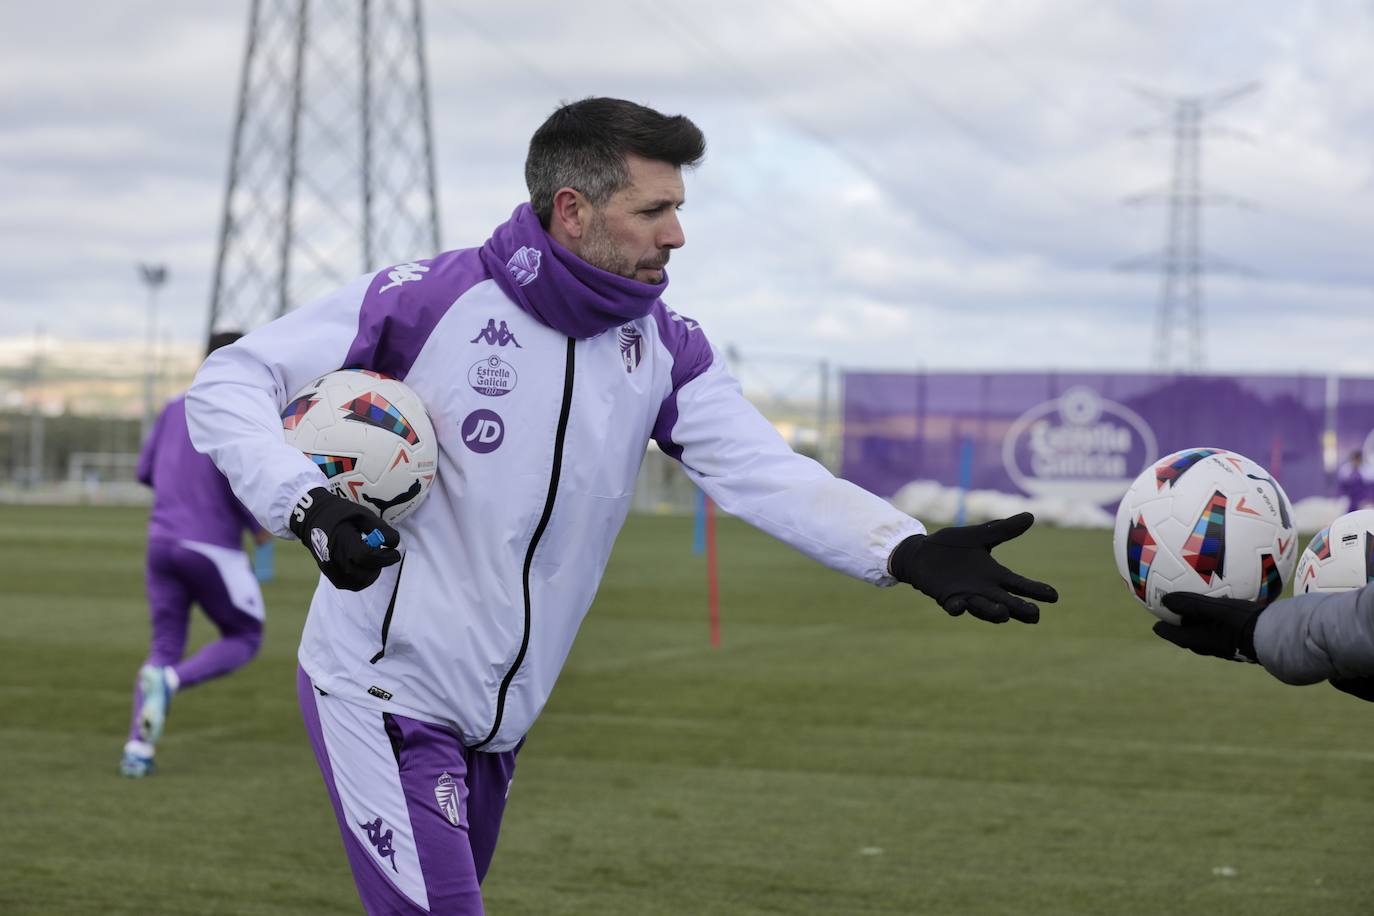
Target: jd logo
(483, 431)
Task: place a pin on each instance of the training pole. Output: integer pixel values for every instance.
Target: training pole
(699, 532)
(965, 479)
(712, 582)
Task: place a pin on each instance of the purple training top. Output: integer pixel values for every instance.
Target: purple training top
(191, 498)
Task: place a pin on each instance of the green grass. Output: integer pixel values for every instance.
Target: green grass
(847, 750)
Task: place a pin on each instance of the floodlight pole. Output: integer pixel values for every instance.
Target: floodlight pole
(35, 475)
(153, 276)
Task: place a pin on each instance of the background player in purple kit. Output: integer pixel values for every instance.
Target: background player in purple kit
(195, 554)
(1351, 483)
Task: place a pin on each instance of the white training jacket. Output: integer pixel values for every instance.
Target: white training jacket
(535, 475)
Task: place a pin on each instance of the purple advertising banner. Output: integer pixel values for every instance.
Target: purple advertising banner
(1080, 436)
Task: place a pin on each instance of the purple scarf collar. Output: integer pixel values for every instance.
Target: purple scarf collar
(556, 286)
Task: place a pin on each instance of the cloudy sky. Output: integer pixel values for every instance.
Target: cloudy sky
(889, 184)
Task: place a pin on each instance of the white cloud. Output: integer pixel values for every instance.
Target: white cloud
(887, 183)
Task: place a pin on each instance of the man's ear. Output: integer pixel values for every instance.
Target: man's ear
(569, 209)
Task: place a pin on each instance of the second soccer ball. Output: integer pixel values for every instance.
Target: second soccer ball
(1340, 556)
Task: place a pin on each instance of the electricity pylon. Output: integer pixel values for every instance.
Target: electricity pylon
(1178, 336)
(331, 167)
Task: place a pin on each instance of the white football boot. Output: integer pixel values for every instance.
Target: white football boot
(157, 684)
(137, 761)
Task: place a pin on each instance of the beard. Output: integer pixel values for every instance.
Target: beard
(599, 250)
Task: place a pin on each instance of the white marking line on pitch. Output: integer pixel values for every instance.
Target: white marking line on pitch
(207, 731)
(1162, 747)
(1038, 739)
(644, 659)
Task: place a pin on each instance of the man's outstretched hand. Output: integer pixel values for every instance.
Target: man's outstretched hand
(1220, 627)
(955, 567)
(350, 543)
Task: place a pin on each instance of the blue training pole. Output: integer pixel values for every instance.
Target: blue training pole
(699, 540)
(965, 478)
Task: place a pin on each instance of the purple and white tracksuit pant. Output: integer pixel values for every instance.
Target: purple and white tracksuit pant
(418, 811)
(221, 581)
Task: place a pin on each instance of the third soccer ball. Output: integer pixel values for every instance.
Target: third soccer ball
(1340, 556)
(1207, 521)
(371, 437)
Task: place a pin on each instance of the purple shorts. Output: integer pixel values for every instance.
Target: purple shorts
(419, 812)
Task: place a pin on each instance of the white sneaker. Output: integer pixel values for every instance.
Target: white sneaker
(137, 761)
(157, 694)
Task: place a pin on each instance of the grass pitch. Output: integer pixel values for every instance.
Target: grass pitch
(847, 750)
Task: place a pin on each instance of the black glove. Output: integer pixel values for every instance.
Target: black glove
(955, 567)
(350, 543)
(1221, 627)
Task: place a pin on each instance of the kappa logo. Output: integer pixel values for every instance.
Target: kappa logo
(631, 347)
(496, 337)
(449, 799)
(688, 323)
(319, 542)
(524, 265)
(404, 273)
(380, 841)
(483, 431)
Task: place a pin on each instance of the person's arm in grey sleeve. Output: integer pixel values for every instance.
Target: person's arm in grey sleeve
(1316, 637)
(1300, 640)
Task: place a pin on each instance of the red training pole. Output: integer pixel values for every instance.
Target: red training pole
(712, 582)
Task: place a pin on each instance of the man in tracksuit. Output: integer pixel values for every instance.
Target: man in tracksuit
(424, 661)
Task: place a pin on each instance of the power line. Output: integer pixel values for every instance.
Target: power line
(736, 75)
(871, 57)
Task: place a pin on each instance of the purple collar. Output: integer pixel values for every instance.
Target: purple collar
(556, 286)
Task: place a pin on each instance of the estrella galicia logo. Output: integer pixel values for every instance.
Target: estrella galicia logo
(404, 273)
(483, 431)
(492, 377)
(380, 841)
(631, 347)
(496, 337)
(1079, 446)
(524, 265)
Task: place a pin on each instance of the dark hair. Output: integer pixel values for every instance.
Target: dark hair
(221, 339)
(583, 146)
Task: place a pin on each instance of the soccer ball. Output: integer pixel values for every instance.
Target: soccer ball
(371, 437)
(1340, 556)
(1208, 521)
